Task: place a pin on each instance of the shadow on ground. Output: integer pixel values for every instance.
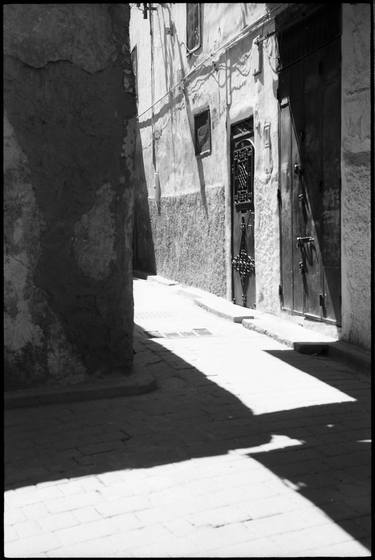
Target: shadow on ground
(189, 416)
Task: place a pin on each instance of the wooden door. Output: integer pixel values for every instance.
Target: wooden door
(242, 197)
(309, 97)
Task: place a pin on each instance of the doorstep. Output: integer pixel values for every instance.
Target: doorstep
(136, 383)
(300, 337)
(305, 340)
(225, 309)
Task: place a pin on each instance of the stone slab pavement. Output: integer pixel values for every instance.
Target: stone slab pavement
(246, 449)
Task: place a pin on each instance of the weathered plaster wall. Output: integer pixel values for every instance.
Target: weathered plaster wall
(225, 83)
(194, 253)
(143, 243)
(68, 163)
(356, 175)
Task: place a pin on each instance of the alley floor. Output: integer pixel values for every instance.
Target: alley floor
(246, 448)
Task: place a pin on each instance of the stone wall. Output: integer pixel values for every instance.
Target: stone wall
(356, 175)
(68, 196)
(189, 239)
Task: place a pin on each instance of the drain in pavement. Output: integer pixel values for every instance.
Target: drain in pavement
(178, 334)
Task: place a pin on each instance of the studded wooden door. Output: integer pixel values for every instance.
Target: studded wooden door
(309, 97)
(242, 190)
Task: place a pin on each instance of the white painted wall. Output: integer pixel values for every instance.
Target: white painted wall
(226, 82)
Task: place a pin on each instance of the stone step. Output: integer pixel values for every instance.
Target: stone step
(225, 309)
(137, 383)
(299, 337)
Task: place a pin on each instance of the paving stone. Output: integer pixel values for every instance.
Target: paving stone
(86, 514)
(35, 495)
(124, 505)
(102, 547)
(69, 503)
(169, 512)
(223, 460)
(28, 529)
(258, 548)
(58, 521)
(304, 539)
(126, 522)
(31, 545)
(349, 548)
(179, 527)
(138, 537)
(13, 515)
(10, 533)
(87, 531)
(71, 488)
(35, 511)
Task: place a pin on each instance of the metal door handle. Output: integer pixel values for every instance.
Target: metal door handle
(301, 240)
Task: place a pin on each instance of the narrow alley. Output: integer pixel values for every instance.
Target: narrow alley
(187, 279)
(264, 456)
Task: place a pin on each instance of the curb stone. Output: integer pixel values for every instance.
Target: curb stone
(117, 386)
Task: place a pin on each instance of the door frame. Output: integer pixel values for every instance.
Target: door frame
(287, 311)
(250, 136)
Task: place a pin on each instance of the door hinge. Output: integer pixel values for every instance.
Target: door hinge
(321, 300)
(281, 296)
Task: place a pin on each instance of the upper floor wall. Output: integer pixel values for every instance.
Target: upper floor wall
(218, 24)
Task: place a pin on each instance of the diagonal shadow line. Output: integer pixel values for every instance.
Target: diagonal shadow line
(190, 416)
(143, 243)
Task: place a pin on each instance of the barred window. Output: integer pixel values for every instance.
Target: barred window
(193, 26)
(202, 126)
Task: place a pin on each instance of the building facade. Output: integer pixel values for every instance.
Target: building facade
(254, 156)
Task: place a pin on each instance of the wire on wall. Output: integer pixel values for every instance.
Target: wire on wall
(246, 30)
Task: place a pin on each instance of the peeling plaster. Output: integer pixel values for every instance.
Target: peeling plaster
(23, 333)
(19, 328)
(94, 236)
(68, 302)
(86, 39)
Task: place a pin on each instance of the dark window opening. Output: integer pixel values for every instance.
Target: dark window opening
(134, 60)
(193, 26)
(202, 126)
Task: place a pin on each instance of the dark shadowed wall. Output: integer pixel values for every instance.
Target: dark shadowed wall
(69, 146)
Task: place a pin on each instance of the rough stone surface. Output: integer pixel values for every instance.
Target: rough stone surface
(189, 243)
(68, 192)
(356, 173)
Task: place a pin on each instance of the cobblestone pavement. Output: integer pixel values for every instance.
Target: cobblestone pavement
(245, 449)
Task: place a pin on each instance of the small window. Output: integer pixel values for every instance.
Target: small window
(202, 126)
(193, 26)
(134, 60)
